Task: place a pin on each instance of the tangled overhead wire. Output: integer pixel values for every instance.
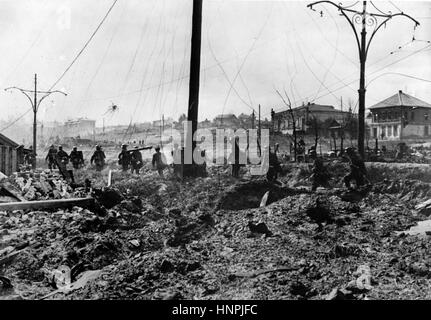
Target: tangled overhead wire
(112, 109)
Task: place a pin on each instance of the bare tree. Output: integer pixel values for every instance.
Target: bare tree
(313, 122)
(289, 105)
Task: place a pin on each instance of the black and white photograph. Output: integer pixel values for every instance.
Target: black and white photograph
(227, 150)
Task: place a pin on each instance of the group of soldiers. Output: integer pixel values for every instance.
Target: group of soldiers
(320, 176)
(127, 159)
(57, 158)
(132, 159)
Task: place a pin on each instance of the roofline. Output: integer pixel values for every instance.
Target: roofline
(10, 141)
(395, 106)
(400, 101)
(333, 110)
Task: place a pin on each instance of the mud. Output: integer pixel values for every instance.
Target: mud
(208, 238)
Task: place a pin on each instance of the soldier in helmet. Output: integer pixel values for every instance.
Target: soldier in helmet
(29, 157)
(358, 171)
(124, 158)
(62, 163)
(51, 157)
(99, 158)
(136, 160)
(320, 176)
(274, 165)
(76, 158)
(159, 161)
(62, 156)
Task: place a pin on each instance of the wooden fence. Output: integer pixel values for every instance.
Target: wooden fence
(8, 160)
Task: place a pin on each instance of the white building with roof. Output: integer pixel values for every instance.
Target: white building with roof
(400, 116)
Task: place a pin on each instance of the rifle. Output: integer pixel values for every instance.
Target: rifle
(143, 148)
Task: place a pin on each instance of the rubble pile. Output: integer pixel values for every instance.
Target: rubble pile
(162, 239)
(39, 185)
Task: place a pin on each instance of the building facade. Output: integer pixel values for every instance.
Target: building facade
(79, 128)
(304, 116)
(227, 120)
(9, 155)
(400, 116)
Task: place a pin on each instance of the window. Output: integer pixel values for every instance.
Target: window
(412, 115)
(389, 115)
(376, 117)
(389, 131)
(375, 132)
(425, 116)
(383, 133)
(395, 129)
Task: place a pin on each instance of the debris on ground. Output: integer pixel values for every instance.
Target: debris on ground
(209, 238)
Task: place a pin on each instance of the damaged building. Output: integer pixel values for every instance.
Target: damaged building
(400, 116)
(303, 115)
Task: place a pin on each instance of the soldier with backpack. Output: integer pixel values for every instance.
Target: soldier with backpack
(98, 158)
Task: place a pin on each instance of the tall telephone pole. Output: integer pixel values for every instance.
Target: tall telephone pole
(259, 128)
(195, 62)
(364, 19)
(35, 104)
(252, 120)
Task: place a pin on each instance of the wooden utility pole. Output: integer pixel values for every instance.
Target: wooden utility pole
(34, 120)
(363, 18)
(35, 103)
(195, 61)
(259, 129)
(252, 120)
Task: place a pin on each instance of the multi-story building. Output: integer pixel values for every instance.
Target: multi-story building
(400, 116)
(79, 127)
(227, 120)
(304, 115)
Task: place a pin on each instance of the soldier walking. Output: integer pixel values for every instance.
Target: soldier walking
(98, 158)
(51, 157)
(320, 176)
(124, 158)
(76, 158)
(136, 160)
(29, 158)
(358, 171)
(159, 161)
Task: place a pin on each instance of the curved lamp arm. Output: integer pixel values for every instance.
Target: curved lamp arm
(23, 92)
(384, 22)
(345, 16)
(46, 95)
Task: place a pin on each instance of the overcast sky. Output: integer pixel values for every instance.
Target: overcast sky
(139, 59)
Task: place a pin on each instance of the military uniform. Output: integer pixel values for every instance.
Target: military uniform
(136, 161)
(76, 158)
(274, 167)
(320, 175)
(159, 162)
(98, 158)
(52, 158)
(124, 158)
(29, 158)
(357, 171)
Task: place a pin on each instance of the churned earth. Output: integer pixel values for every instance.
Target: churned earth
(223, 238)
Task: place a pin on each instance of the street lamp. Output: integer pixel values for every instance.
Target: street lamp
(359, 21)
(35, 103)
